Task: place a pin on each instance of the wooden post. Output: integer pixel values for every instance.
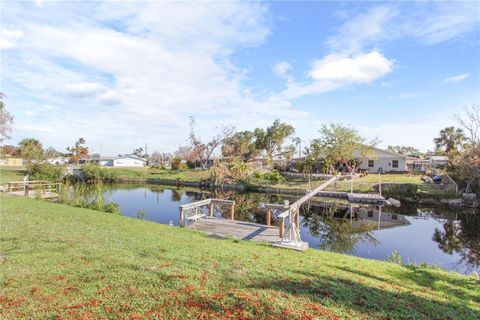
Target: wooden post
(232, 211)
(269, 216)
(282, 227)
(210, 209)
(297, 218)
(182, 218)
(26, 190)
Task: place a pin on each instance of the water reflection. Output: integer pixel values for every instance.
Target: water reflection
(448, 238)
(336, 229)
(461, 236)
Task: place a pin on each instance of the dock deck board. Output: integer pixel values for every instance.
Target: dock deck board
(236, 229)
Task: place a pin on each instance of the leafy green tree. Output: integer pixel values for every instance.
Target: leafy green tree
(272, 139)
(240, 146)
(340, 144)
(30, 150)
(450, 140)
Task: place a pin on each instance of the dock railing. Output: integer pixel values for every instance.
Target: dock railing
(193, 211)
(40, 187)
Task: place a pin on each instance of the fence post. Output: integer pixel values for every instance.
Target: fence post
(26, 190)
(282, 228)
(182, 217)
(210, 209)
(269, 216)
(232, 211)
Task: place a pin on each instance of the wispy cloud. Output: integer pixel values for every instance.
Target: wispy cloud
(429, 23)
(457, 78)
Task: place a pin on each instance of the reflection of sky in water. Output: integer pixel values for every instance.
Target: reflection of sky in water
(413, 242)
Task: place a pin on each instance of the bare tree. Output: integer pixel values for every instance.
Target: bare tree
(6, 120)
(471, 123)
(205, 151)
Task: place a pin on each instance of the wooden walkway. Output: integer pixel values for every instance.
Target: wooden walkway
(236, 229)
(33, 195)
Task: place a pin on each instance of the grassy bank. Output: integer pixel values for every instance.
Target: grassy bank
(63, 262)
(366, 183)
(11, 174)
(164, 174)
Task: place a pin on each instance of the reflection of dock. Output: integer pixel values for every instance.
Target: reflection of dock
(236, 229)
(357, 198)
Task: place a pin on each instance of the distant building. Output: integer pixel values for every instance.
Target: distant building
(384, 161)
(58, 161)
(120, 161)
(11, 162)
(417, 164)
(438, 161)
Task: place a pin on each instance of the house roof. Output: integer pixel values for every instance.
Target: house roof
(439, 158)
(117, 157)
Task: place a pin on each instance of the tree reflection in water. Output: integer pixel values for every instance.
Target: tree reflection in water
(461, 236)
(335, 230)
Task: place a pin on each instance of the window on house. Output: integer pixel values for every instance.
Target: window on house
(395, 163)
(371, 163)
(370, 214)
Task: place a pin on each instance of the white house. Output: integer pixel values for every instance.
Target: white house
(58, 161)
(385, 161)
(120, 161)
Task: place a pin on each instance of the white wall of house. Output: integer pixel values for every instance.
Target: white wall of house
(128, 162)
(384, 161)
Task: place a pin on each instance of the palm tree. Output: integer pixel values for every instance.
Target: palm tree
(450, 138)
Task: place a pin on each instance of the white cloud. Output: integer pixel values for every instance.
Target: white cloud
(109, 97)
(157, 62)
(337, 70)
(457, 78)
(282, 68)
(84, 89)
(9, 38)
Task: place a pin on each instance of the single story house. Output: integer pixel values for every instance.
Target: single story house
(384, 161)
(58, 160)
(120, 161)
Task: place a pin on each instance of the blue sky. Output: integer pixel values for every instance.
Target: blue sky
(129, 73)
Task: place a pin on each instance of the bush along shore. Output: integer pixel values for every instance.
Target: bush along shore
(62, 262)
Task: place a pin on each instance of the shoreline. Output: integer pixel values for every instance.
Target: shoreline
(450, 203)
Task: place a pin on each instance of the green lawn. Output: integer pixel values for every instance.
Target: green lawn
(166, 174)
(366, 183)
(60, 262)
(11, 173)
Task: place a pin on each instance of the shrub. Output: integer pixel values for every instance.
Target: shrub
(273, 176)
(176, 163)
(45, 171)
(95, 173)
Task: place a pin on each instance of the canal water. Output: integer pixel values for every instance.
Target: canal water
(448, 239)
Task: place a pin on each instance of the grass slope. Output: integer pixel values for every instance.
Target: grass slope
(60, 262)
(11, 174)
(166, 174)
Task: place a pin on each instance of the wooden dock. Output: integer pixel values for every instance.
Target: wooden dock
(236, 229)
(33, 189)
